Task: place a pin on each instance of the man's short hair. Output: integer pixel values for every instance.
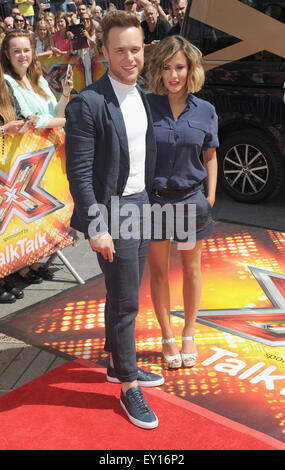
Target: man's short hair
(119, 19)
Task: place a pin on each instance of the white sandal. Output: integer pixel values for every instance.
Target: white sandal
(174, 361)
(189, 360)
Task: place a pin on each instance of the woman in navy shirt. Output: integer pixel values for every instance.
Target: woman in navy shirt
(186, 134)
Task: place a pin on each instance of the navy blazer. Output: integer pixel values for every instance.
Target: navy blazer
(96, 146)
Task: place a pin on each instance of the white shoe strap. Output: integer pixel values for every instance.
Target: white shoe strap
(166, 341)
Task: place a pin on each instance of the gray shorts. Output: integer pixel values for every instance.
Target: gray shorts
(183, 219)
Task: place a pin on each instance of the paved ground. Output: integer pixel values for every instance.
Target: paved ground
(20, 363)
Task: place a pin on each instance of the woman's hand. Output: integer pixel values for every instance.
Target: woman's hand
(67, 82)
(211, 200)
(30, 123)
(56, 51)
(13, 127)
(85, 34)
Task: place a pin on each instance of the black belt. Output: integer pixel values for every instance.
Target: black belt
(179, 192)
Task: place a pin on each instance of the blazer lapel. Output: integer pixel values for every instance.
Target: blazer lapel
(115, 112)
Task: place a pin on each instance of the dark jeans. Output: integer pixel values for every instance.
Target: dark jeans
(122, 278)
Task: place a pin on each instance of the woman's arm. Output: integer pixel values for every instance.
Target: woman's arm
(56, 122)
(43, 54)
(67, 86)
(13, 127)
(211, 165)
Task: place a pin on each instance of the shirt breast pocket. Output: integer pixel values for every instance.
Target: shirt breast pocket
(163, 133)
(197, 133)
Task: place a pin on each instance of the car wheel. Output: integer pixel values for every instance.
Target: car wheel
(250, 167)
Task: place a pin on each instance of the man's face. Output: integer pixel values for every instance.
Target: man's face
(99, 13)
(15, 11)
(179, 10)
(9, 22)
(82, 9)
(125, 53)
(151, 15)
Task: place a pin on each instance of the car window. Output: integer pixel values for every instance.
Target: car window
(210, 39)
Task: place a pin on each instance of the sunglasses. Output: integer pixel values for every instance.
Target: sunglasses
(19, 21)
(85, 19)
(130, 3)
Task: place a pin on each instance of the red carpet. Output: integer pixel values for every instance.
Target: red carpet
(74, 408)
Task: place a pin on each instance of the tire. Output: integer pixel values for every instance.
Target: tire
(250, 166)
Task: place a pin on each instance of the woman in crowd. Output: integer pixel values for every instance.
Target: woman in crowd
(42, 39)
(31, 90)
(20, 22)
(60, 39)
(185, 128)
(24, 75)
(50, 19)
(11, 123)
(72, 18)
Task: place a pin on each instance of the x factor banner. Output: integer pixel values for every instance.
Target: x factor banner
(55, 67)
(35, 203)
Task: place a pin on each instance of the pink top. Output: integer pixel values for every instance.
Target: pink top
(61, 43)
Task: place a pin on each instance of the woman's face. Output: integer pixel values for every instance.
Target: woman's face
(50, 21)
(19, 22)
(61, 24)
(86, 21)
(42, 32)
(175, 73)
(73, 18)
(20, 54)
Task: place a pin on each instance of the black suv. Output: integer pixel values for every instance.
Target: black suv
(242, 42)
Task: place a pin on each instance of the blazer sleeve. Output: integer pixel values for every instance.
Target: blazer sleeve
(80, 149)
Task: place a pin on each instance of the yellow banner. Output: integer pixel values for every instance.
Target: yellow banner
(35, 203)
(55, 67)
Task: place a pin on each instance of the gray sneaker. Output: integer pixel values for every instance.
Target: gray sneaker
(137, 409)
(145, 379)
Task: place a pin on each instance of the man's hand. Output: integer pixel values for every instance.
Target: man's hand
(104, 245)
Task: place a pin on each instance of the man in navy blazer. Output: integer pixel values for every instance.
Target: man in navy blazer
(110, 156)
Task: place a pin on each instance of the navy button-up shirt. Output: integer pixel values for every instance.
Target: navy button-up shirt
(179, 143)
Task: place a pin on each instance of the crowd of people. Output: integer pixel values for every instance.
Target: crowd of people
(49, 22)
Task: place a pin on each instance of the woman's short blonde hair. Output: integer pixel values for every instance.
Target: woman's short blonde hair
(164, 52)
